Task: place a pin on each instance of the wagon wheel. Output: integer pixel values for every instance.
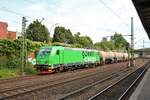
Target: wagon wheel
(61, 68)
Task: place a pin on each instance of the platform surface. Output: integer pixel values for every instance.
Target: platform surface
(142, 92)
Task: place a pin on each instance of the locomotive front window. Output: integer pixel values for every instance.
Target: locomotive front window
(44, 51)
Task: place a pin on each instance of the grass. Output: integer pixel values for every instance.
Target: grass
(14, 72)
(8, 73)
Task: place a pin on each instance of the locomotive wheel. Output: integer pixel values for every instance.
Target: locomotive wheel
(57, 70)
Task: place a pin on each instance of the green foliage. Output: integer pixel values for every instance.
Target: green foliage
(11, 54)
(104, 45)
(3, 60)
(77, 37)
(37, 32)
(63, 35)
(83, 41)
(119, 41)
(29, 69)
(127, 46)
(6, 47)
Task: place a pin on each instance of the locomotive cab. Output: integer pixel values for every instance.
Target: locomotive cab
(47, 59)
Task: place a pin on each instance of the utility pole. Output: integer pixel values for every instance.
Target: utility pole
(143, 49)
(24, 46)
(132, 43)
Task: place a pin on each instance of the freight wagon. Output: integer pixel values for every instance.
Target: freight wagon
(112, 57)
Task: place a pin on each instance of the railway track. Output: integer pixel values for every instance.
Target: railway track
(28, 77)
(20, 91)
(122, 89)
(31, 81)
(77, 93)
(44, 82)
(24, 91)
(3, 81)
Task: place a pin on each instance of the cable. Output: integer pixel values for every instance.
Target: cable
(29, 1)
(102, 2)
(13, 12)
(10, 11)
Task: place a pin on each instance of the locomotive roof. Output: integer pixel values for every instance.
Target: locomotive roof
(83, 49)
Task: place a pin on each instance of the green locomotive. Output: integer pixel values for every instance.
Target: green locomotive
(58, 58)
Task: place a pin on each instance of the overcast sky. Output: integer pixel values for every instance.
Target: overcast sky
(89, 17)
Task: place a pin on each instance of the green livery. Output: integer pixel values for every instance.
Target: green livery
(58, 57)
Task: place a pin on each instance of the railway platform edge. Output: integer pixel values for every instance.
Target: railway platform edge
(142, 92)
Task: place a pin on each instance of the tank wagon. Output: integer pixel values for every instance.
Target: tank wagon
(58, 58)
(112, 57)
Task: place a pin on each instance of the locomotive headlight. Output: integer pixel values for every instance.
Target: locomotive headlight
(49, 68)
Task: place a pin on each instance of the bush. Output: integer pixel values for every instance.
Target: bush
(3, 62)
(29, 69)
(11, 54)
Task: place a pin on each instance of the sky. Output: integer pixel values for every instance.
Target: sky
(94, 18)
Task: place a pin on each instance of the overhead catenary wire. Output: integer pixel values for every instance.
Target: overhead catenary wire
(5, 9)
(113, 12)
(29, 1)
(13, 12)
(10, 11)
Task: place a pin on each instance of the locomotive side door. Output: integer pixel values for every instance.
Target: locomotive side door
(60, 56)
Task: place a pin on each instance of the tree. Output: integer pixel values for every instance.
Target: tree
(127, 46)
(119, 41)
(63, 35)
(104, 45)
(85, 41)
(77, 38)
(37, 32)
